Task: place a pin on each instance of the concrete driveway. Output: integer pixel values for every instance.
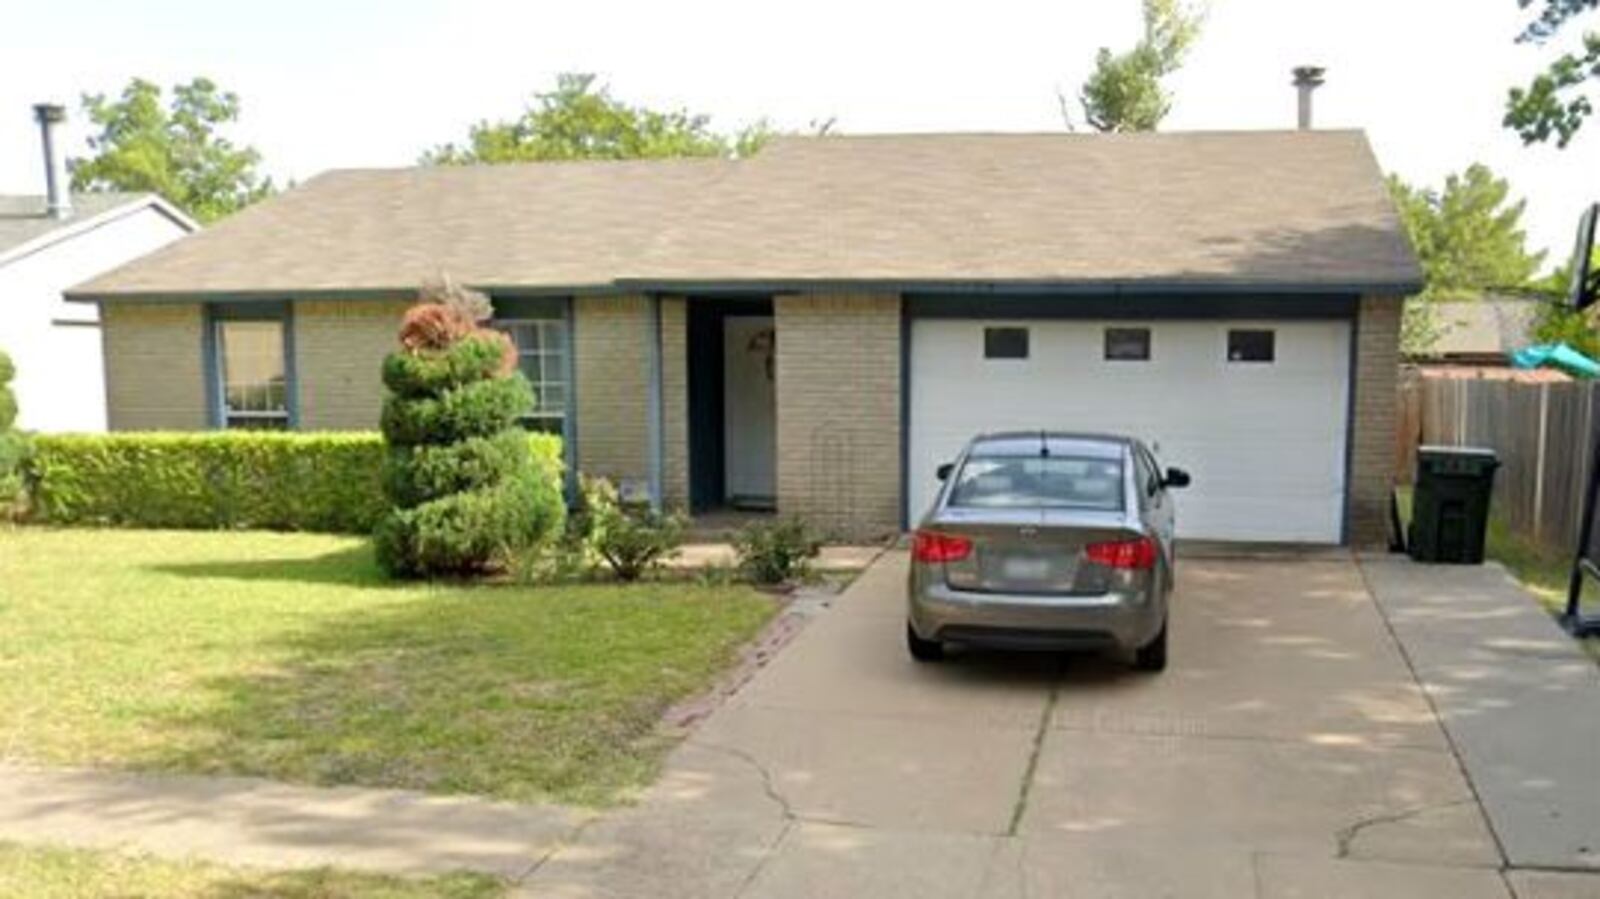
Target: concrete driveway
(1287, 752)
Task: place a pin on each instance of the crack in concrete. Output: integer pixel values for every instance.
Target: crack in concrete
(768, 787)
(1347, 836)
(765, 859)
(1028, 772)
(571, 839)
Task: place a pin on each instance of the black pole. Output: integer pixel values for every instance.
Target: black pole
(1573, 619)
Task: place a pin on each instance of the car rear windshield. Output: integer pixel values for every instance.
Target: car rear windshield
(1050, 482)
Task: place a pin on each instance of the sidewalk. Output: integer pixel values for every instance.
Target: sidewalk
(1518, 698)
(251, 822)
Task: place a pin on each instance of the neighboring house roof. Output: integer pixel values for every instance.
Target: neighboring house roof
(1245, 210)
(27, 227)
(1487, 327)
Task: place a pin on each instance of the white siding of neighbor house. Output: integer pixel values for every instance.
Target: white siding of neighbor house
(60, 383)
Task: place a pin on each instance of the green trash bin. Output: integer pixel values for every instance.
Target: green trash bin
(1450, 506)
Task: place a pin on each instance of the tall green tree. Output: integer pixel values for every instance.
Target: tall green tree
(175, 149)
(1469, 239)
(1125, 91)
(1554, 105)
(1469, 235)
(580, 119)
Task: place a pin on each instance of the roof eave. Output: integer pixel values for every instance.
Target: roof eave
(70, 229)
(746, 286)
(1026, 287)
(275, 295)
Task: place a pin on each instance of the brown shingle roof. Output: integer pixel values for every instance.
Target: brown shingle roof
(1247, 209)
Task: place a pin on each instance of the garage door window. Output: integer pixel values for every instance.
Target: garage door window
(1250, 346)
(1128, 344)
(1005, 343)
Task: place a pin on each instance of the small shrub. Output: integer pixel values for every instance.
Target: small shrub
(466, 492)
(776, 552)
(631, 538)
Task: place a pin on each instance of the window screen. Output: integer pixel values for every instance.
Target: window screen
(1128, 344)
(542, 357)
(1005, 343)
(1250, 346)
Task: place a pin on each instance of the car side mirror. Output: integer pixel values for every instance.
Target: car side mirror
(943, 471)
(1176, 477)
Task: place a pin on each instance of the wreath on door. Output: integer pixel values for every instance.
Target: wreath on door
(764, 341)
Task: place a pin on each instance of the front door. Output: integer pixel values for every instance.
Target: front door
(750, 419)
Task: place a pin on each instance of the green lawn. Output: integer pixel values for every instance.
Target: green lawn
(288, 656)
(39, 873)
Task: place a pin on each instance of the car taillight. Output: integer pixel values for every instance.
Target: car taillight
(1136, 554)
(932, 546)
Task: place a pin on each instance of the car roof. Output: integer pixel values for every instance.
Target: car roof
(1036, 443)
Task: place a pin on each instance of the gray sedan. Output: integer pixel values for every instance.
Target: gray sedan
(1046, 541)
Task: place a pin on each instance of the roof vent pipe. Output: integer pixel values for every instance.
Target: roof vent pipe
(58, 197)
(1306, 80)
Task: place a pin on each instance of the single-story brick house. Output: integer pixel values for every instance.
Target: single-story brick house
(815, 328)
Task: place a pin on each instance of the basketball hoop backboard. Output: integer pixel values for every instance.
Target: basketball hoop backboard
(1585, 285)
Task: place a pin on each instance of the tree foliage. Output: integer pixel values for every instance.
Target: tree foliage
(173, 149)
(580, 119)
(1469, 239)
(1125, 92)
(1557, 321)
(1553, 105)
(1468, 236)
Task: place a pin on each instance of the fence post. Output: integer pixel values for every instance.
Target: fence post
(1538, 470)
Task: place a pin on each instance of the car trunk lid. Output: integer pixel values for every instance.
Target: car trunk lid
(1030, 551)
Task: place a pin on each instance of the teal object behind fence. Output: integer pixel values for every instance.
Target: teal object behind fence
(1556, 355)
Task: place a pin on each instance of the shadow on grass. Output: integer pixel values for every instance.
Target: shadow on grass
(353, 566)
(523, 694)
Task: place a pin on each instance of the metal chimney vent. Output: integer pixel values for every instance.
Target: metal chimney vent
(58, 193)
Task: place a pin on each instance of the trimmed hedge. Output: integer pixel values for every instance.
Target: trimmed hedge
(330, 482)
(465, 493)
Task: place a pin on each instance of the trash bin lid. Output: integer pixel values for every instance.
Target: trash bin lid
(1471, 452)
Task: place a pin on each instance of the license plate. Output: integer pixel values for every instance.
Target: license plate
(1025, 569)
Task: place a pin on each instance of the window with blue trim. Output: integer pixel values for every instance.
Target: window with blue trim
(538, 327)
(252, 370)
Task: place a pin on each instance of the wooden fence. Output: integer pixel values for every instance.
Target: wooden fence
(1542, 432)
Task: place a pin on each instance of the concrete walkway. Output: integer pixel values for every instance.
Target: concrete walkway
(1287, 753)
(244, 821)
(1519, 699)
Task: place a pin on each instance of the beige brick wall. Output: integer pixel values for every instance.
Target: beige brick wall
(155, 377)
(838, 388)
(611, 346)
(1373, 438)
(339, 348)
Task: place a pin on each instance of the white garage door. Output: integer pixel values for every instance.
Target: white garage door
(1263, 433)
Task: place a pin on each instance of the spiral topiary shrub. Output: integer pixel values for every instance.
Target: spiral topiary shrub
(466, 492)
(13, 445)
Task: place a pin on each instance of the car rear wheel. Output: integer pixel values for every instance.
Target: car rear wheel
(1153, 655)
(923, 650)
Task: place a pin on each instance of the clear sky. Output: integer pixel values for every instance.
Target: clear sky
(338, 83)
